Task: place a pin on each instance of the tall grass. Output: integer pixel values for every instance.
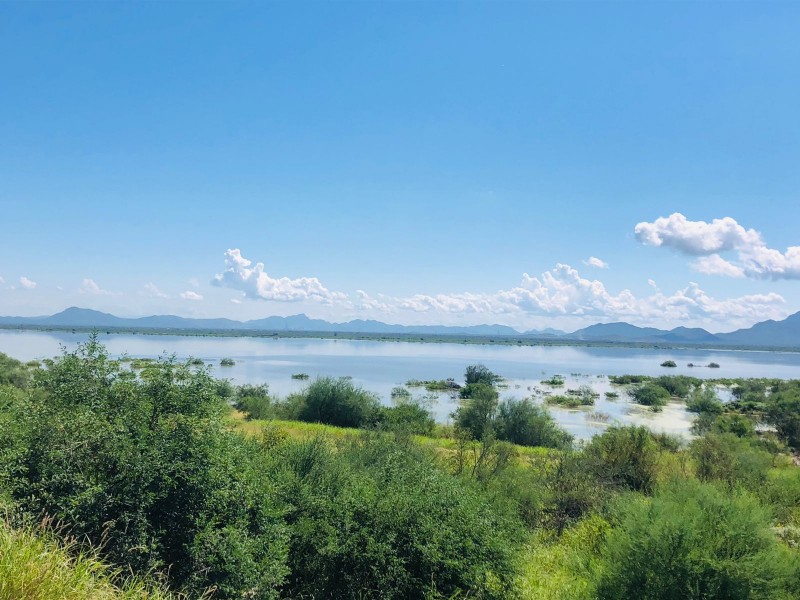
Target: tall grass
(33, 566)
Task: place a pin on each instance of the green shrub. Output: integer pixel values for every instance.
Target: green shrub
(693, 541)
(624, 457)
(378, 520)
(527, 424)
(147, 470)
(338, 401)
(669, 363)
(726, 458)
(650, 394)
(477, 410)
(783, 411)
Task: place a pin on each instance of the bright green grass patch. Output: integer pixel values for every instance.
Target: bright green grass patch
(34, 567)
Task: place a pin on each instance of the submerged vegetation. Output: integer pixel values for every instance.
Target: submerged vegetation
(161, 489)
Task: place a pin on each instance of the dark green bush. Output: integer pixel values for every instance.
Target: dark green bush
(729, 459)
(337, 401)
(527, 424)
(623, 457)
(480, 374)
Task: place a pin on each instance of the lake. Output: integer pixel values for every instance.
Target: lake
(380, 366)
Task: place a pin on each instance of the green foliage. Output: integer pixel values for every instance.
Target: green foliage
(678, 385)
(146, 469)
(301, 376)
(693, 541)
(571, 400)
(527, 424)
(628, 379)
(480, 374)
(227, 362)
(669, 363)
(337, 401)
(784, 413)
(477, 410)
(13, 372)
(554, 381)
(35, 566)
(650, 394)
(624, 457)
(407, 417)
(704, 400)
(377, 520)
(729, 459)
(255, 401)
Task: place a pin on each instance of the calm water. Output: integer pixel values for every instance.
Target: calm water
(380, 366)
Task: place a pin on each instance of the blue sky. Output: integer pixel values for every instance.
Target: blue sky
(406, 161)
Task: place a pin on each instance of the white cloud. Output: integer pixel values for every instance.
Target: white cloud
(152, 290)
(190, 295)
(257, 284)
(368, 302)
(716, 265)
(236, 300)
(593, 261)
(707, 240)
(27, 283)
(88, 286)
(2, 281)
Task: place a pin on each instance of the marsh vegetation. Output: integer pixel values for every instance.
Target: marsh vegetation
(166, 482)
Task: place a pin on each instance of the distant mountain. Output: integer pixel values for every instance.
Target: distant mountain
(767, 333)
(784, 333)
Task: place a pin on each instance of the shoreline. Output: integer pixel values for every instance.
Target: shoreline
(498, 340)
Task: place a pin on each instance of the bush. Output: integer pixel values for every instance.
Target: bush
(477, 411)
(408, 417)
(148, 471)
(338, 401)
(527, 424)
(726, 458)
(650, 394)
(678, 385)
(669, 363)
(624, 457)
(376, 520)
(783, 411)
(227, 362)
(13, 372)
(255, 401)
(693, 541)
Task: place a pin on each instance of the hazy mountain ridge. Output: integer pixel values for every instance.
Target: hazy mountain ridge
(767, 333)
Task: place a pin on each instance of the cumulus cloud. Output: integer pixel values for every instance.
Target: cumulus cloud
(593, 261)
(257, 284)
(152, 290)
(26, 283)
(562, 291)
(88, 286)
(558, 292)
(753, 258)
(190, 295)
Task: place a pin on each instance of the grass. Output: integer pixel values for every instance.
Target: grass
(441, 441)
(35, 567)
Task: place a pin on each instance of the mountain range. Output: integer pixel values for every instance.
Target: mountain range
(770, 333)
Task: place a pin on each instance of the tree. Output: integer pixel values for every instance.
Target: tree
(480, 374)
